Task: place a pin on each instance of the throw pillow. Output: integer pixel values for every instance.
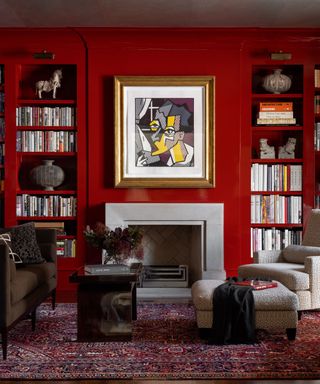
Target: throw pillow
(297, 253)
(24, 243)
(5, 238)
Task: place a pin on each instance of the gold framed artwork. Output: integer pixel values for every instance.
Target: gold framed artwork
(164, 132)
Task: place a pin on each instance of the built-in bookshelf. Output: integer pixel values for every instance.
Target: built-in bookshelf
(46, 140)
(47, 170)
(317, 135)
(277, 133)
(2, 143)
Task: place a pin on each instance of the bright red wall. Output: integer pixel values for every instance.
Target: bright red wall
(166, 53)
(224, 53)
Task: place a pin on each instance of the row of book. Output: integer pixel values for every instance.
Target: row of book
(317, 104)
(66, 247)
(2, 128)
(46, 141)
(45, 116)
(317, 78)
(276, 177)
(1, 179)
(1, 102)
(2, 153)
(317, 136)
(273, 238)
(276, 209)
(275, 113)
(46, 206)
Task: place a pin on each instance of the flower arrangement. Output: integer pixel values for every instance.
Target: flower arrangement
(120, 243)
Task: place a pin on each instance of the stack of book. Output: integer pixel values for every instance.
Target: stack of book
(276, 113)
(317, 78)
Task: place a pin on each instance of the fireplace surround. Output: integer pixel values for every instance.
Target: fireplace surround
(206, 221)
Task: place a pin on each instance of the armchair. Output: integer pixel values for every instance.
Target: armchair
(24, 287)
(296, 266)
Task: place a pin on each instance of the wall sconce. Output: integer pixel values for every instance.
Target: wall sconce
(44, 55)
(280, 55)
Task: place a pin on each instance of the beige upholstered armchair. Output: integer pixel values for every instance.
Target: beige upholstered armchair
(297, 266)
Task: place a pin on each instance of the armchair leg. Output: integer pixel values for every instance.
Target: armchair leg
(53, 298)
(4, 342)
(291, 333)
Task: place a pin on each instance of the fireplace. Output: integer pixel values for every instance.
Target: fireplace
(200, 224)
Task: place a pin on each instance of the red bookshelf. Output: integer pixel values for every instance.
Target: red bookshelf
(37, 122)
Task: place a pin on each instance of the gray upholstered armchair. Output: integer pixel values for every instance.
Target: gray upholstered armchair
(297, 266)
(24, 286)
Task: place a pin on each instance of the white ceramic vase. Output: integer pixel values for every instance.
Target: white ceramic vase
(47, 175)
(277, 82)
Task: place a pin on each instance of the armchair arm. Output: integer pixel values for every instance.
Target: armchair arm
(267, 256)
(5, 277)
(312, 267)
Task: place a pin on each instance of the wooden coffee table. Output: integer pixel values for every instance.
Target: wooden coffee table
(107, 304)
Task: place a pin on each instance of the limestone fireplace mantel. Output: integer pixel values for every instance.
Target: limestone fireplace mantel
(207, 217)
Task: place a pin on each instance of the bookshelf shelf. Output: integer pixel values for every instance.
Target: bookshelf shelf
(54, 102)
(283, 96)
(277, 225)
(46, 218)
(45, 128)
(37, 192)
(47, 154)
(277, 161)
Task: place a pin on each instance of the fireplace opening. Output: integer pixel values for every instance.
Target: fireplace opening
(172, 255)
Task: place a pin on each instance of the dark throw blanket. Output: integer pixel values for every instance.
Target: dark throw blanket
(234, 315)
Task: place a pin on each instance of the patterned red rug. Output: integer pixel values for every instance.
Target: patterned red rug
(165, 346)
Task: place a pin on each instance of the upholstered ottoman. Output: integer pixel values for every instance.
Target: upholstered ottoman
(274, 307)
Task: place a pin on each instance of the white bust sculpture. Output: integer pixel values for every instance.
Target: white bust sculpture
(266, 151)
(287, 151)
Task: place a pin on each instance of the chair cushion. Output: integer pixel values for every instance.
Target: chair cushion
(291, 275)
(298, 253)
(24, 243)
(30, 277)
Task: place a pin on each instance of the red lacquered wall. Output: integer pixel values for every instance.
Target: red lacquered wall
(165, 53)
(226, 54)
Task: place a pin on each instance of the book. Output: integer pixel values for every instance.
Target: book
(276, 106)
(276, 115)
(105, 269)
(276, 121)
(257, 284)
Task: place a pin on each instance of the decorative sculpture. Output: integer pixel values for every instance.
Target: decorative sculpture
(287, 151)
(49, 85)
(266, 151)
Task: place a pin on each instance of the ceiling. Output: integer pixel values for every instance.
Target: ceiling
(160, 13)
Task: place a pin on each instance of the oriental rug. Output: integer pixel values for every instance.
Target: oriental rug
(165, 345)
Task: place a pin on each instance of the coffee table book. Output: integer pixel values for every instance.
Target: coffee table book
(257, 284)
(103, 269)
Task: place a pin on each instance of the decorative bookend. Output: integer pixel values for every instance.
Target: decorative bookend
(266, 151)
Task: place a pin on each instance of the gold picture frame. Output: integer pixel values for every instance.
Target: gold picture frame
(164, 131)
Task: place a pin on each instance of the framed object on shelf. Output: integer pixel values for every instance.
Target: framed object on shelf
(164, 132)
